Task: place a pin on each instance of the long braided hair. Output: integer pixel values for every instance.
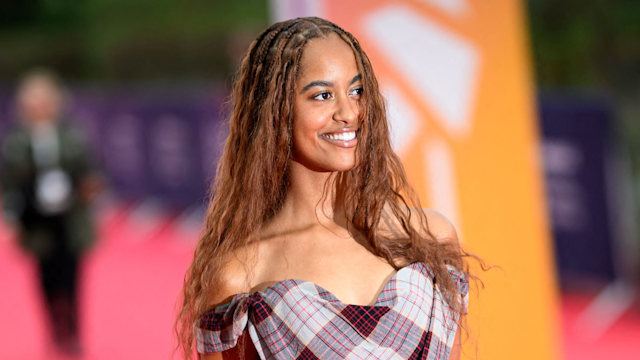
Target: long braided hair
(252, 175)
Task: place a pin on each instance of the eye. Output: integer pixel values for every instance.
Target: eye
(357, 91)
(325, 95)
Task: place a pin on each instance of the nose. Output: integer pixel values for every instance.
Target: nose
(346, 110)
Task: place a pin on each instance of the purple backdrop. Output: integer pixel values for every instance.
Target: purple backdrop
(160, 144)
(577, 144)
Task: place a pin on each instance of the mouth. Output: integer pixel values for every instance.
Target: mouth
(345, 139)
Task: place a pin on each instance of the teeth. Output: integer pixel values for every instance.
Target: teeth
(345, 136)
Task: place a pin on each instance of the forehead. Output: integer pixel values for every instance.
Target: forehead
(327, 55)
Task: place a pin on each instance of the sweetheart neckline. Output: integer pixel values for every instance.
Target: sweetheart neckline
(322, 289)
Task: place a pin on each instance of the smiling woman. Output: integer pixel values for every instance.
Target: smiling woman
(326, 106)
(315, 246)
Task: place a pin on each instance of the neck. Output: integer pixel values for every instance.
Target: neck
(309, 201)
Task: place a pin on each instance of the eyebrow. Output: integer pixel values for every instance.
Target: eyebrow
(328, 83)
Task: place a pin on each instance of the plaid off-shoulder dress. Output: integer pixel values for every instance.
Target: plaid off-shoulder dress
(296, 319)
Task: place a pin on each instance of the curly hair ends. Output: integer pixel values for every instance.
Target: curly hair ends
(252, 175)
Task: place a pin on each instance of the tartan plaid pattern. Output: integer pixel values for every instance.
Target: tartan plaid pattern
(296, 319)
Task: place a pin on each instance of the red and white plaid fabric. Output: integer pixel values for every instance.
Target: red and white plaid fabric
(295, 319)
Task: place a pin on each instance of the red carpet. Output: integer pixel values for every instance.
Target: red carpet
(131, 282)
(130, 285)
(621, 341)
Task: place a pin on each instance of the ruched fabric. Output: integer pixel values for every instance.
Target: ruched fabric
(297, 319)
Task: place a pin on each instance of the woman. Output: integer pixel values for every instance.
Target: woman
(315, 246)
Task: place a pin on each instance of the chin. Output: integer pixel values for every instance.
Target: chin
(345, 167)
(336, 164)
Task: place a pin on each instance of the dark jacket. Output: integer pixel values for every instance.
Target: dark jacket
(18, 177)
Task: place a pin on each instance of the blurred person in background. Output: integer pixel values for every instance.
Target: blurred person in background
(47, 183)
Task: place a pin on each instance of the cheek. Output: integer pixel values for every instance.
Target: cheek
(308, 123)
(304, 135)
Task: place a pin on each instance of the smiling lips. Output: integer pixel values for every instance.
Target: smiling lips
(345, 139)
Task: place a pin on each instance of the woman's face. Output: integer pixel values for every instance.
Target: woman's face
(326, 106)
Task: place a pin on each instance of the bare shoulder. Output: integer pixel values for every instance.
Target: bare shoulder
(232, 279)
(441, 227)
(438, 225)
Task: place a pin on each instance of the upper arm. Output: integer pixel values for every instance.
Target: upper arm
(456, 349)
(212, 356)
(232, 279)
(247, 353)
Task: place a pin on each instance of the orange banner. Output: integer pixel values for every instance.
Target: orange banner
(457, 78)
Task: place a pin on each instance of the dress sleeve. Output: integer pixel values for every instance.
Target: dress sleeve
(462, 281)
(218, 329)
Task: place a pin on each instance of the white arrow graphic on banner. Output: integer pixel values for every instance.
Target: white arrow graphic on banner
(440, 65)
(442, 68)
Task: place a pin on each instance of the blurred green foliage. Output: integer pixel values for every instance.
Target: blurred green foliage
(122, 40)
(586, 43)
